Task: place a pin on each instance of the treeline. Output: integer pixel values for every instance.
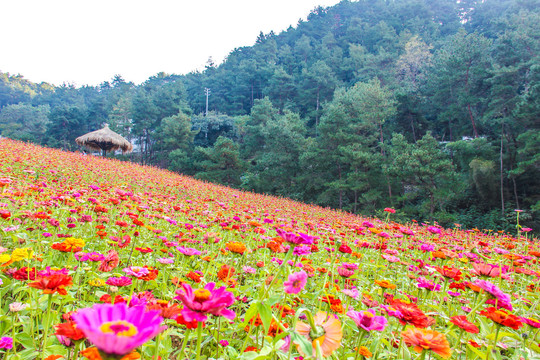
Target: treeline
(430, 107)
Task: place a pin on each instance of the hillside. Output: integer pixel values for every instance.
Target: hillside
(215, 272)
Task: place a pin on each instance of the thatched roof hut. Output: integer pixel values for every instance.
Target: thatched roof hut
(104, 139)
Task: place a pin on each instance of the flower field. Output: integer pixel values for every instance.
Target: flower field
(111, 260)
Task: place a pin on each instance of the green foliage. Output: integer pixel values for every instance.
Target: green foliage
(24, 122)
(220, 163)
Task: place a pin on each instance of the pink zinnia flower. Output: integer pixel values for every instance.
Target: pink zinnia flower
(350, 266)
(136, 271)
(6, 342)
(199, 303)
(300, 239)
(532, 322)
(367, 320)
(110, 262)
(352, 293)
(296, 282)
(490, 270)
(93, 256)
(188, 251)
(390, 258)
(166, 260)
(434, 230)
(424, 283)
(344, 272)
(116, 330)
(503, 300)
(119, 281)
(302, 250)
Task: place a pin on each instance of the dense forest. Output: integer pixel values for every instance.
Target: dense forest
(429, 107)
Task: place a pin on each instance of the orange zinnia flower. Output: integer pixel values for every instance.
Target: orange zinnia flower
(385, 284)
(92, 353)
(225, 272)
(54, 283)
(364, 351)
(236, 247)
(328, 333)
(427, 340)
(502, 317)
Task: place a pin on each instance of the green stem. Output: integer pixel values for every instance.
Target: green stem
(199, 339)
(156, 350)
(186, 339)
(76, 349)
(46, 325)
(217, 340)
(357, 350)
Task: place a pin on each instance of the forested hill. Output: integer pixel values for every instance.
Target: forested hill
(430, 107)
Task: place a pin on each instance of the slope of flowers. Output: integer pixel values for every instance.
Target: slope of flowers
(111, 260)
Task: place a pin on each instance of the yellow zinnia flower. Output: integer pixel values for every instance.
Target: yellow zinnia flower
(20, 254)
(97, 282)
(4, 258)
(74, 243)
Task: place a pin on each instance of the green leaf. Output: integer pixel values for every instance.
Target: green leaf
(265, 312)
(305, 345)
(272, 300)
(477, 352)
(250, 313)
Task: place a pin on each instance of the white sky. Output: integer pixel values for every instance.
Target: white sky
(88, 42)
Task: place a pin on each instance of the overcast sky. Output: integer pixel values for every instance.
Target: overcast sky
(88, 42)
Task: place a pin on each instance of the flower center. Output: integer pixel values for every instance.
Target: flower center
(317, 334)
(119, 328)
(367, 320)
(202, 295)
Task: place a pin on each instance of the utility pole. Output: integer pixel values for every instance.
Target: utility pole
(207, 93)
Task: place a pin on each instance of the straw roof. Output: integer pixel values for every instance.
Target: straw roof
(104, 139)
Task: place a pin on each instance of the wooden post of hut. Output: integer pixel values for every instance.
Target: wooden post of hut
(105, 140)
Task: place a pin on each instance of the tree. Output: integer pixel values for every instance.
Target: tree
(176, 138)
(424, 171)
(24, 122)
(220, 163)
(457, 85)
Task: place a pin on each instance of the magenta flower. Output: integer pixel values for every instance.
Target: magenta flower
(349, 266)
(116, 330)
(119, 281)
(136, 271)
(199, 303)
(426, 284)
(93, 256)
(50, 271)
(367, 320)
(434, 230)
(6, 342)
(188, 251)
(300, 239)
(502, 299)
(302, 250)
(296, 282)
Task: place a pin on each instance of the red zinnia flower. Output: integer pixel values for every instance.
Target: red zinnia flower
(462, 322)
(54, 283)
(69, 330)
